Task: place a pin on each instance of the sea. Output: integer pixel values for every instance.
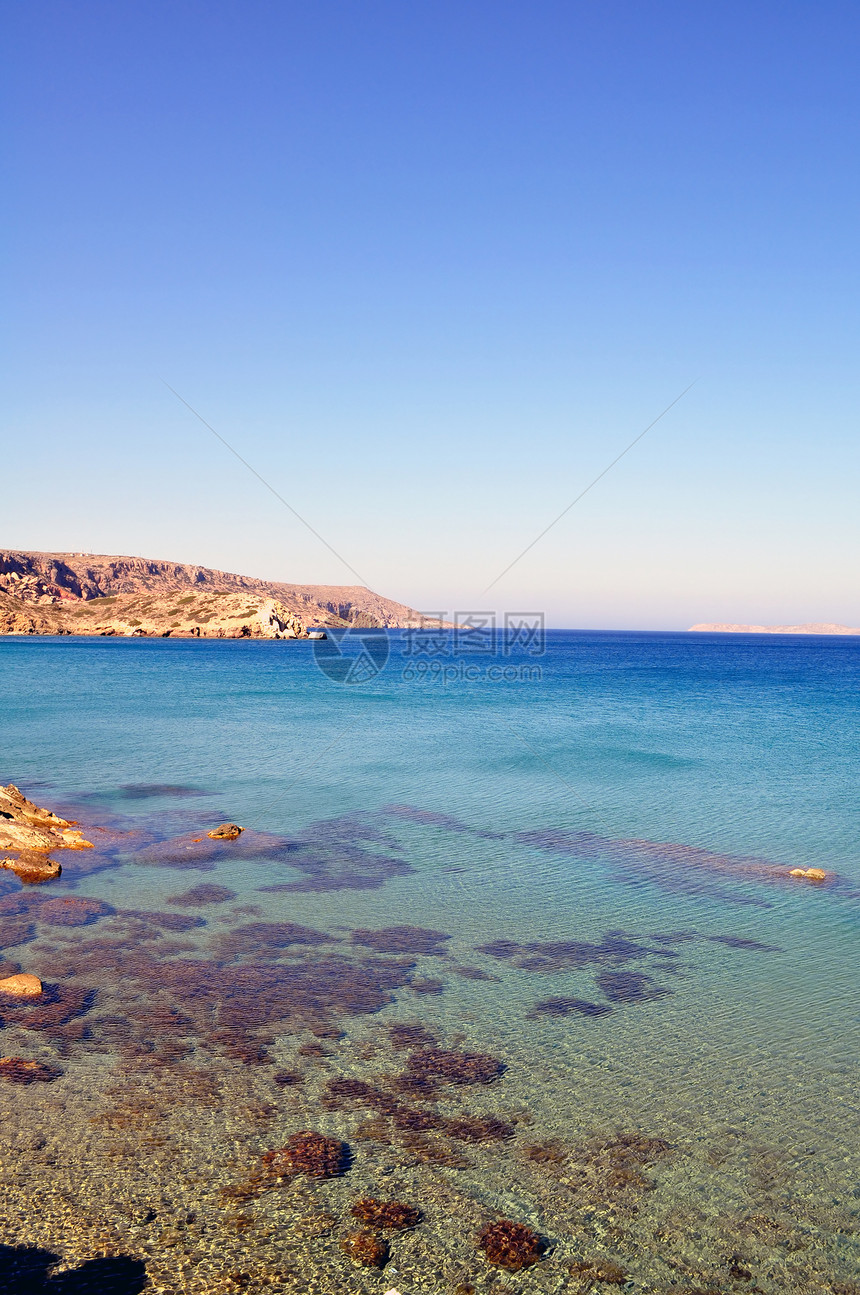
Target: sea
(510, 937)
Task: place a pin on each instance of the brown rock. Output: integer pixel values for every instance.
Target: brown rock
(226, 832)
(16, 808)
(809, 874)
(74, 840)
(32, 866)
(30, 833)
(21, 986)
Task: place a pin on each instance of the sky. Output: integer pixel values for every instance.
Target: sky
(429, 268)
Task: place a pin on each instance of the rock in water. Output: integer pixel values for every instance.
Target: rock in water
(21, 986)
(32, 866)
(226, 832)
(31, 834)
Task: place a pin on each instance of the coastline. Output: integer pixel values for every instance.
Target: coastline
(810, 629)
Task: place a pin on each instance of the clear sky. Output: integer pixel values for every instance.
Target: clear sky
(429, 267)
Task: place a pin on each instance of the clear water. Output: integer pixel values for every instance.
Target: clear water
(626, 822)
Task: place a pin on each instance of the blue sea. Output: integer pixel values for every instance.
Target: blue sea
(569, 863)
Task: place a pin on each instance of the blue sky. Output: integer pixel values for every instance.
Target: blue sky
(429, 267)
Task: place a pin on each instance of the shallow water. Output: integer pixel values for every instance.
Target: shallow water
(602, 853)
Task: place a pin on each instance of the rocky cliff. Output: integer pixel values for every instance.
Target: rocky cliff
(76, 593)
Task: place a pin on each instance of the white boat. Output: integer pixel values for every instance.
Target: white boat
(317, 634)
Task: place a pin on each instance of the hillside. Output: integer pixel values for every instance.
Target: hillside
(74, 593)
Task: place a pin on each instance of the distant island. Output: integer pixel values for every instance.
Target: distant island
(772, 629)
(95, 594)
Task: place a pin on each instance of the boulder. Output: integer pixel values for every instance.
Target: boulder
(32, 866)
(226, 832)
(21, 986)
(25, 827)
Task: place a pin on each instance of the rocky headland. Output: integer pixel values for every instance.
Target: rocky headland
(29, 835)
(73, 593)
(192, 615)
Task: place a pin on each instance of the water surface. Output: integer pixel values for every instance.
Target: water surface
(583, 875)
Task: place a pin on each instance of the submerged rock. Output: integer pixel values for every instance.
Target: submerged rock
(31, 866)
(21, 986)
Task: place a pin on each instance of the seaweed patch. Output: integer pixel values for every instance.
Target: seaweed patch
(568, 955)
(404, 1036)
(593, 1271)
(386, 1214)
(147, 790)
(630, 987)
(71, 910)
(309, 1153)
(511, 1245)
(403, 939)
(741, 942)
(205, 893)
(478, 1128)
(265, 940)
(22, 1070)
(566, 1007)
(165, 921)
(348, 853)
(454, 1067)
(426, 985)
(56, 1006)
(368, 1249)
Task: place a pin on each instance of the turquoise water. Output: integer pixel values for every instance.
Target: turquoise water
(602, 844)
